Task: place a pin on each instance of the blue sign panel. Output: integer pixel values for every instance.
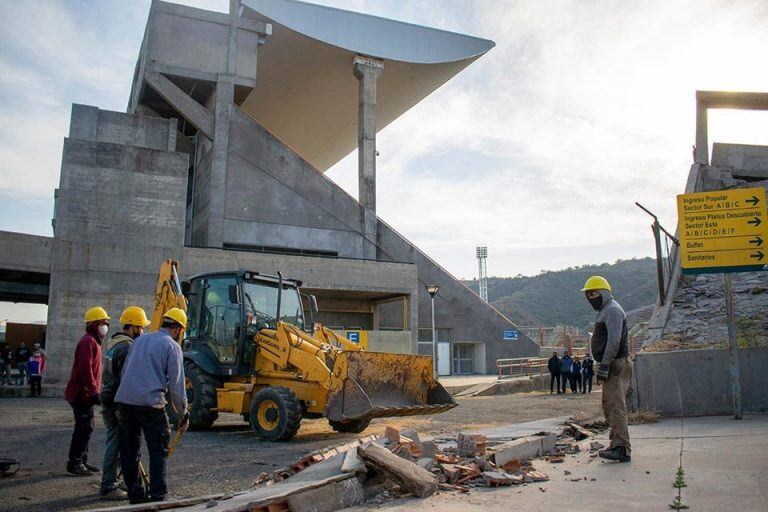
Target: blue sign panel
(353, 336)
(510, 335)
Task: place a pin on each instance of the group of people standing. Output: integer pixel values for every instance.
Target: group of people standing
(129, 377)
(29, 363)
(567, 370)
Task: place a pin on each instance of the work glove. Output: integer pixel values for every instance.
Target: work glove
(602, 372)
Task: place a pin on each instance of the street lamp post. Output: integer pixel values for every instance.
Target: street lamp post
(432, 290)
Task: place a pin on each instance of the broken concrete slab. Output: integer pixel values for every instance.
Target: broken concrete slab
(523, 448)
(335, 496)
(529, 428)
(411, 477)
(352, 463)
(497, 478)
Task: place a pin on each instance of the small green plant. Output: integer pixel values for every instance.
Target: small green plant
(677, 501)
(680, 478)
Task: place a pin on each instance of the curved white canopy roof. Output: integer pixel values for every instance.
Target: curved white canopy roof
(306, 93)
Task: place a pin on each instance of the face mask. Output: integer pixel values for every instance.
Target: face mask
(596, 302)
(103, 329)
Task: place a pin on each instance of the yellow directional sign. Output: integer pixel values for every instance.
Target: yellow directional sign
(723, 230)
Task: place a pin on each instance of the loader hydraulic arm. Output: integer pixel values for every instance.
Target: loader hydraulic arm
(168, 293)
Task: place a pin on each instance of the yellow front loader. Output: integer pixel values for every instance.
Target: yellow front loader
(249, 350)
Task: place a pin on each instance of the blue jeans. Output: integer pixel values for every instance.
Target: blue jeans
(109, 467)
(135, 419)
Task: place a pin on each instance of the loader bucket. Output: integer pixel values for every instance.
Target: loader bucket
(376, 384)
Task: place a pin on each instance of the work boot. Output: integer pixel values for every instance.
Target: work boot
(619, 454)
(115, 494)
(89, 467)
(78, 470)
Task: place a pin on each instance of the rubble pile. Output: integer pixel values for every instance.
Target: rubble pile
(377, 469)
(404, 463)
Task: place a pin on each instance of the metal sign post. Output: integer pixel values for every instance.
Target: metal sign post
(724, 231)
(733, 347)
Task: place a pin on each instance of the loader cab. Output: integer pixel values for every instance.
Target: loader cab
(227, 309)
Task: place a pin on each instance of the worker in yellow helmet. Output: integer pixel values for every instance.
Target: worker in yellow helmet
(611, 350)
(83, 389)
(134, 320)
(154, 365)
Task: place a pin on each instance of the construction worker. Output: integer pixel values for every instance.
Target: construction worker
(611, 351)
(154, 365)
(134, 320)
(83, 389)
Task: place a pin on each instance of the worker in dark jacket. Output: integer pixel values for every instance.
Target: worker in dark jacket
(588, 372)
(22, 358)
(566, 367)
(83, 388)
(576, 376)
(153, 372)
(133, 320)
(553, 365)
(610, 348)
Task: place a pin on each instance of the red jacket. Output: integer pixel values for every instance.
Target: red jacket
(85, 379)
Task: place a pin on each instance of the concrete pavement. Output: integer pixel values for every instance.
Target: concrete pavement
(725, 462)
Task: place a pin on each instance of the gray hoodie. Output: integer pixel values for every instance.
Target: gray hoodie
(609, 340)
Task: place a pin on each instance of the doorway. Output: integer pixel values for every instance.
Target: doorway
(463, 359)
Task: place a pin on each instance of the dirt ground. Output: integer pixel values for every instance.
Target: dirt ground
(229, 457)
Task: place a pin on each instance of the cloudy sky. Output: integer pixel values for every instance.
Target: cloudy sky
(538, 150)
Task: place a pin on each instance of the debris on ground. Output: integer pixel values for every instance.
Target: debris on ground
(375, 470)
(641, 417)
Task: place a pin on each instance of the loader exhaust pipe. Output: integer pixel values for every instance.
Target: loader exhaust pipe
(279, 295)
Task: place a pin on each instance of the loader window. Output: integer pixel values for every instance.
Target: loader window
(220, 318)
(260, 301)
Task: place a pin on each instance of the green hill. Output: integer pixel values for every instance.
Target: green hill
(553, 298)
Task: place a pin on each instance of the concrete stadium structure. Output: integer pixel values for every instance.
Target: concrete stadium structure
(218, 162)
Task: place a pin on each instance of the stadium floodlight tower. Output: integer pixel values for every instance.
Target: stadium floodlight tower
(482, 257)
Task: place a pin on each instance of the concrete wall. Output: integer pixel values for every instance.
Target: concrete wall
(194, 42)
(275, 198)
(746, 160)
(120, 212)
(700, 379)
(94, 124)
(27, 253)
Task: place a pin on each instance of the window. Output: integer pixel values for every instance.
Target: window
(220, 318)
(260, 301)
(443, 335)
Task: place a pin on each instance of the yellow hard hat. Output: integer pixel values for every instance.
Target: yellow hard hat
(134, 315)
(596, 283)
(177, 315)
(95, 314)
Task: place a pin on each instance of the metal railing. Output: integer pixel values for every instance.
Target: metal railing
(528, 366)
(665, 253)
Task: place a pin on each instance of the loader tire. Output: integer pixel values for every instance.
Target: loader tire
(351, 426)
(275, 414)
(201, 394)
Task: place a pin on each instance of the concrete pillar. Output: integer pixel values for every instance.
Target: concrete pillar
(225, 97)
(367, 72)
(702, 139)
